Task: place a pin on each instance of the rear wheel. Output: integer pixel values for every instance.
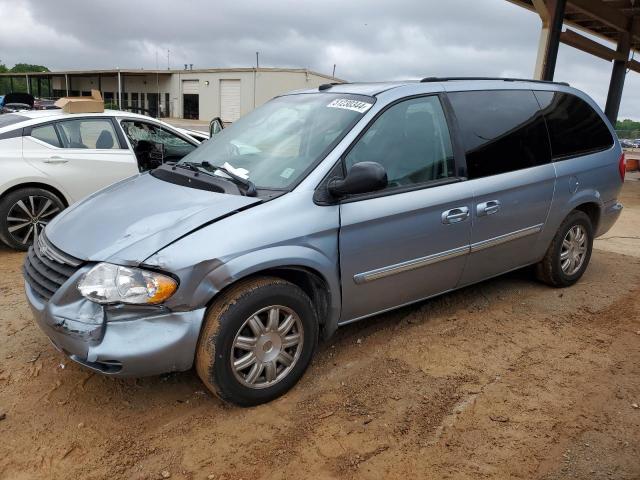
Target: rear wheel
(24, 213)
(569, 253)
(257, 341)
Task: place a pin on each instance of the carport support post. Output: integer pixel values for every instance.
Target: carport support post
(11, 83)
(66, 83)
(552, 15)
(28, 84)
(119, 91)
(618, 73)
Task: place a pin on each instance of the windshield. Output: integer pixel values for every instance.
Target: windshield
(275, 145)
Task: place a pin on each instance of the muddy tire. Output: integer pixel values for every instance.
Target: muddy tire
(24, 211)
(568, 255)
(257, 340)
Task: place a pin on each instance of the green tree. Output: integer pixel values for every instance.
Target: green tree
(20, 82)
(628, 128)
(4, 82)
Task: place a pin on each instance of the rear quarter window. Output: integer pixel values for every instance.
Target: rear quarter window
(575, 128)
(501, 131)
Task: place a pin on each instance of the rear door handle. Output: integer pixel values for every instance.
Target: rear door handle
(488, 208)
(55, 160)
(455, 215)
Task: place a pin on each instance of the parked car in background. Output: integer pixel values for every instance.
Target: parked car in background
(318, 209)
(15, 102)
(197, 134)
(51, 159)
(44, 104)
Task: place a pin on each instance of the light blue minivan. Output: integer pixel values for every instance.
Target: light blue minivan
(318, 209)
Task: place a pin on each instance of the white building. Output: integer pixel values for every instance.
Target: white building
(201, 94)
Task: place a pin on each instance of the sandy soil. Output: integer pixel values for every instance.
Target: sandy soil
(505, 379)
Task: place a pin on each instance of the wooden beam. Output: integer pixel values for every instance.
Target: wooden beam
(542, 7)
(634, 65)
(607, 15)
(575, 40)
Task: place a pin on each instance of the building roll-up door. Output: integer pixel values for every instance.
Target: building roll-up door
(191, 99)
(191, 87)
(229, 100)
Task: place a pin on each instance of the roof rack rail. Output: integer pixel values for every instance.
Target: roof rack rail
(446, 79)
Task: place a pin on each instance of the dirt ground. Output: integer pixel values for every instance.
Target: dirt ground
(505, 379)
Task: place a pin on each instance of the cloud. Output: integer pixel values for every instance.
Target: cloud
(367, 40)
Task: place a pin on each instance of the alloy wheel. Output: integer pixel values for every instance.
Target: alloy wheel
(267, 347)
(28, 217)
(574, 250)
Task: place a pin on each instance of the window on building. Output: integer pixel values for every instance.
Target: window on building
(501, 130)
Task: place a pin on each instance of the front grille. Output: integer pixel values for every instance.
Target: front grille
(46, 268)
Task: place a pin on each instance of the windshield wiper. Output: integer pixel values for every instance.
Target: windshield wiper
(194, 167)
(204, 166)
(248, 184)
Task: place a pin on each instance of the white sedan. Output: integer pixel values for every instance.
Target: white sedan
(51, 159)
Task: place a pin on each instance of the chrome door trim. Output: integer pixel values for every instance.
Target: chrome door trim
(408, 265)
(416, 263)
(507, 237)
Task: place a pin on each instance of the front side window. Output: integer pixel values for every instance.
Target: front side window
(144, 136)
(574, 127)
(277, 143)
(92, 133)
(501, 130)
(47, 134)
(410, 140)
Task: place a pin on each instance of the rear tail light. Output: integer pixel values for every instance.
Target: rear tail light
(622, 166)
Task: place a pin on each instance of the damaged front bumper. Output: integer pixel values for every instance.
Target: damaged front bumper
(117, 340)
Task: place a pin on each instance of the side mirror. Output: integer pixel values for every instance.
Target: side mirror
(215, 126)
(362, 178)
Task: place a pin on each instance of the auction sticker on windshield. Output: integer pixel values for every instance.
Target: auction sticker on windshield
(348, 104)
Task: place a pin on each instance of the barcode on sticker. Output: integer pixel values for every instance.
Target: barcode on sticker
(347, 104)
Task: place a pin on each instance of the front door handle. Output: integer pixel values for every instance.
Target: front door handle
(55, 160)
(455, 215)
(488, 208)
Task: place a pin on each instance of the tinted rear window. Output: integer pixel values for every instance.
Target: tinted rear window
(574, 127)
(7, 119)
(502, 131)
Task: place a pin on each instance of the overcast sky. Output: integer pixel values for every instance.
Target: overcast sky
(366, 39)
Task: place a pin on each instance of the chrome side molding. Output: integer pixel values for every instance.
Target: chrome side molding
(378, 273)
(507, 237)
(416, 263)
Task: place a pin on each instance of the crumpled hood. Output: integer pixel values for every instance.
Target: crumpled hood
(132, 219)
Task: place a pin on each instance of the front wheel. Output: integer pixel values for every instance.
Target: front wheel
(24, 213)
(257, 340)
(569, 253)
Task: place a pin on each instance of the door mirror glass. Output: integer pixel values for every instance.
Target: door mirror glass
(215, 126)
(363, 177)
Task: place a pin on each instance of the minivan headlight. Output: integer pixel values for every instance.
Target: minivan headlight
(108, 283)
